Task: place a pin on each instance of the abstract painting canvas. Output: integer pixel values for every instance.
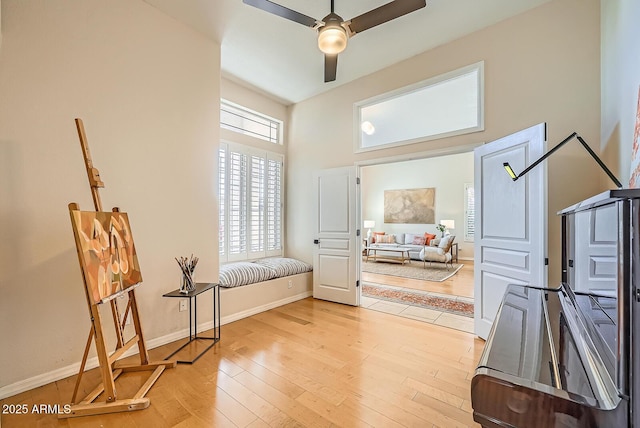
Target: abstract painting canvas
(634, 177)
(410, 206)
(107, 254)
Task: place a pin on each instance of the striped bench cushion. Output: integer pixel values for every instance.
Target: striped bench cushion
(284, 266)
(243, 273)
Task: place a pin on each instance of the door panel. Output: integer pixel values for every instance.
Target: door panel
(335, 273)
(511, 221)
(596, 261)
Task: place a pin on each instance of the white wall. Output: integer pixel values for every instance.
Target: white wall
(447, 174)
(537, 69)
(147, 88)
(620, 81)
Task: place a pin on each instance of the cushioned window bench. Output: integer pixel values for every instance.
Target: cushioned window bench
(248, 288)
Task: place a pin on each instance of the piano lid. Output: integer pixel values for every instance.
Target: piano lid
(535, 345)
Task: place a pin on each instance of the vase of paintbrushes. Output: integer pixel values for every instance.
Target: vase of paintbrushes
(187, 266)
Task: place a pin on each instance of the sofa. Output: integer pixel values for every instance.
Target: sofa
(424, 247)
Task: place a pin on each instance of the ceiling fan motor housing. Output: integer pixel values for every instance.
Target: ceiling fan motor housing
(332, 36)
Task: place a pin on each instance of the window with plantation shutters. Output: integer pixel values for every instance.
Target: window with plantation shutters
(222, 199)
(274, 204)
(469, 212)
(250, 196)
(237, 202)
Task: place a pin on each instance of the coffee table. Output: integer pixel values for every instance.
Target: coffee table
(403, 254)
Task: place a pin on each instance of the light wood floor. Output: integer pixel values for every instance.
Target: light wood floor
(460, 284)
(310, 363)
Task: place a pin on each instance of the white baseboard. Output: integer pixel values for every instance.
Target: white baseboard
(72, 369)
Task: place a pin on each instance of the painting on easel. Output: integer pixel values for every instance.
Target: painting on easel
(634, 177)
(109, 260)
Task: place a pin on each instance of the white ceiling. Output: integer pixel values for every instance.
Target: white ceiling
(281, 57)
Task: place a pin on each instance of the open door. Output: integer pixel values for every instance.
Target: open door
(335, 258)
(511, 221)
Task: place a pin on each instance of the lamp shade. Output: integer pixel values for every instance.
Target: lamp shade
(369, 224)
(332, 37)
(449, 224)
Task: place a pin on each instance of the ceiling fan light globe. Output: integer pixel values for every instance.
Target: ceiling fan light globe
(332, 39)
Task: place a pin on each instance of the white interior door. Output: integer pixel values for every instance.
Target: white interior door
(595, 260)
(335, 273)
(511, 221)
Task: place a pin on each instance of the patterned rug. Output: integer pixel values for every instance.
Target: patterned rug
(421, 299)
(436, 272)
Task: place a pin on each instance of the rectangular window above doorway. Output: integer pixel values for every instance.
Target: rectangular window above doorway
(443, 106)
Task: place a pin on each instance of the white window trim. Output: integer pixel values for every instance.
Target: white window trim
(357, 114)
(248, 254)
(280, 133)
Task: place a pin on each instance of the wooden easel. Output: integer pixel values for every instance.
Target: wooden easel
(109, 368)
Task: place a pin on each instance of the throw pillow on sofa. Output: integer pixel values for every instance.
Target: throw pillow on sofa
(428, 237)
(375, 236)
(408, 238)
(386, 239)
(419, 240)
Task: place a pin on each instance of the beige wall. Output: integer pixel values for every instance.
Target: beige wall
(537, 69)
(447, 174)
(620, 81)
(147, 88)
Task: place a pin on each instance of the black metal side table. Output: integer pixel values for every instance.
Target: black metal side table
(201, 287)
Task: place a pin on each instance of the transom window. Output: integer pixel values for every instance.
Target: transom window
(443, 106)
(250, 202)
(244, 121)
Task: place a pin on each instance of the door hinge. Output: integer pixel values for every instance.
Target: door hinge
(637, 295)
(357, 180)
(358, 232)
(546, 261)
(358, 283)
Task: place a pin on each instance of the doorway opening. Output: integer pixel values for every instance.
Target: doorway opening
(401, 204)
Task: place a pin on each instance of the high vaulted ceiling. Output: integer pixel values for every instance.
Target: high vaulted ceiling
(281, 57)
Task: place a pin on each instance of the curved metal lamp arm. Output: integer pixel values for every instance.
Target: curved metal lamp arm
(515, 176)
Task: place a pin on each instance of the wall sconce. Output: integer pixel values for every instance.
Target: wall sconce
(515, 176)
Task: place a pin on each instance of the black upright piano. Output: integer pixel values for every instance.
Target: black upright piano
(569, 355)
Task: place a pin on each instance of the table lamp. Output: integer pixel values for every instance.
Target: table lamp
(369, 224)
(448, 224)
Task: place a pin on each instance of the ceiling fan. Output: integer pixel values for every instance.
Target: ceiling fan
(334, 32)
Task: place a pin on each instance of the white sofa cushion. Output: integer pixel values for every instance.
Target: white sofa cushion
(408, 238)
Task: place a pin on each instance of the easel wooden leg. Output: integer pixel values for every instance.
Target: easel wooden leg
(116, 322)
(142, 347)
(82, 365)
(105, 366)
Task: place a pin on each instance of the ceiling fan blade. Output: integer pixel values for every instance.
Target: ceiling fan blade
(330, 67)
(282, 11)
(385, 13)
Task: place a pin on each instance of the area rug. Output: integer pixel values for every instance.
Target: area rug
(436, 272)
(418, 298)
